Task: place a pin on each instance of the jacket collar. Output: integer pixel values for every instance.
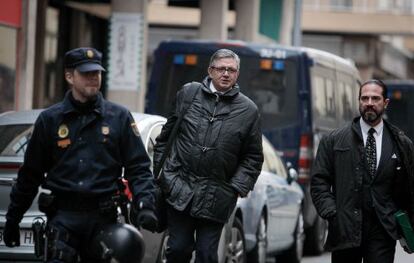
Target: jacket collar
(356, 127)
(68, 106)
(230, 93)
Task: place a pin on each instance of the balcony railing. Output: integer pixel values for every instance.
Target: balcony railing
(397, 7)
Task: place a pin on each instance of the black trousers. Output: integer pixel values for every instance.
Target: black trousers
(187, 233)
(377, 245)
(71, 232)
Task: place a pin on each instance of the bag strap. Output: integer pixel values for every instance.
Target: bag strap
(188, 101)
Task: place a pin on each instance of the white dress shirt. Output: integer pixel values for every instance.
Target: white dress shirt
(379, 128)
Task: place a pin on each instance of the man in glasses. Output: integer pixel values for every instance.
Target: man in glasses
(215, 158)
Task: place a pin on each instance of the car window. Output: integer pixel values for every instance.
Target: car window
(14, 139)
(273, 162)
(280, 167)
(154, 132)
(269, 155)
(265, 166)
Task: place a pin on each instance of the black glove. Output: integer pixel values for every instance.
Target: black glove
(11, 234)
(147, 219)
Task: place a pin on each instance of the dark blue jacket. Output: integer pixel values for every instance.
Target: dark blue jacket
(83, 153)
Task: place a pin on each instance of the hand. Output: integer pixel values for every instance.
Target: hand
(147, 219)
(11, 234)
(407, 250)
(236, 192)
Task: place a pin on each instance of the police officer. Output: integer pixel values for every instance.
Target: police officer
(78, 150)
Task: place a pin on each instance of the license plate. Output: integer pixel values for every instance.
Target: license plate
(26, 238)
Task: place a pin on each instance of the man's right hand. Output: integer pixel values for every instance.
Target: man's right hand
(147, 219)
(11, 234)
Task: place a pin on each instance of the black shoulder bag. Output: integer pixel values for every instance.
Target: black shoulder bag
(160, 203)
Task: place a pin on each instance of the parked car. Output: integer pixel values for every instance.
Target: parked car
(268, 222)
(272, 214)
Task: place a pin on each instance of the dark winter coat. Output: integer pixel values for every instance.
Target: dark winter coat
(216, 156)
(337, 184)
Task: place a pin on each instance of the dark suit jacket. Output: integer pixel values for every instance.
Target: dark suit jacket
(383, 184)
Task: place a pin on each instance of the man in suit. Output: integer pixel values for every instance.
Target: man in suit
(363, 173)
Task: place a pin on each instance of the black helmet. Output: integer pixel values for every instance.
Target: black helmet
(119, 243)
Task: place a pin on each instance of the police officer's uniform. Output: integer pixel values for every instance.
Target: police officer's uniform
(78, 151)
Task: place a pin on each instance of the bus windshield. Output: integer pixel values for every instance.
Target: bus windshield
(273, 90)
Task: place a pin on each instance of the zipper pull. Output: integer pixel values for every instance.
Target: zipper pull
(217, 97)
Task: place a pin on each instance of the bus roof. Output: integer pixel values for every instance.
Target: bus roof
(204, 46)
(330, 60)
(273, 51)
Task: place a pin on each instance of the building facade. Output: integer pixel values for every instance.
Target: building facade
(376, 34)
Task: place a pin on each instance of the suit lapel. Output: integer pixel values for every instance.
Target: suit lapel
(386, 151)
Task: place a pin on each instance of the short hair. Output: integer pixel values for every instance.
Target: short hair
(376, 82)
(224, 53)
(70, 70)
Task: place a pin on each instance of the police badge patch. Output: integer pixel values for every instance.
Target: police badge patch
(135, 129)
(105, 130)
(63, 131)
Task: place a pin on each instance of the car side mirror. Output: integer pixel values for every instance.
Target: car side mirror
(292, 173)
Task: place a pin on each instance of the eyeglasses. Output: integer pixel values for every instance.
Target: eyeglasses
(222, 70)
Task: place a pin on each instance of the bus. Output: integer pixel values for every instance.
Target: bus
(401, 95)
(301, 93)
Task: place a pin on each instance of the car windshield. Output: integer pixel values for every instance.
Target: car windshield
(14, 139)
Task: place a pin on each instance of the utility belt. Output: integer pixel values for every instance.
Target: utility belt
(50, 203)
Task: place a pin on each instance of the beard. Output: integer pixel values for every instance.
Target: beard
(370, 115)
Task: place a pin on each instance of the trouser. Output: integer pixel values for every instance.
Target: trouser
(377, 246)
(70, 235)
(182, 241)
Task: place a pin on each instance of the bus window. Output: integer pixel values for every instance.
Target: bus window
(330, 99)
(345, 104)
(324, 98)
(174, 75)
(347, 94)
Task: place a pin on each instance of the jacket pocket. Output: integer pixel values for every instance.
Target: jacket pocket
(224, 202)
(342, 155)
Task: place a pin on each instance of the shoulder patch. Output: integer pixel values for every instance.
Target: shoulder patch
(135, 129)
